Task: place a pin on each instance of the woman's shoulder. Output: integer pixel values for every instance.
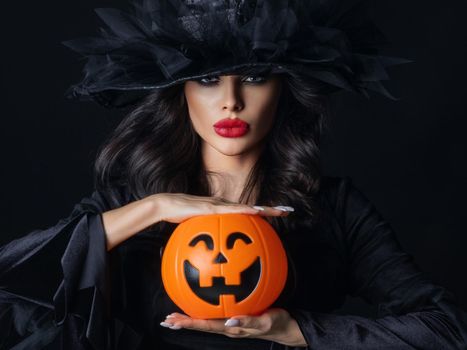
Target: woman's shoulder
(342, 195)
(332, 187)
(355, 212)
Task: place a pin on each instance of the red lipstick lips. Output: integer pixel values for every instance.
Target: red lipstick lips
(231, 127)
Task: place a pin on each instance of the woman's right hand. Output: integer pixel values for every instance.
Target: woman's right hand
(124, 222)
(177, 207)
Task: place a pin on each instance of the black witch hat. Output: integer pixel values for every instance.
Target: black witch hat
(160, 43)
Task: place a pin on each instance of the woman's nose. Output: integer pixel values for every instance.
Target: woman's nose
(232, 99)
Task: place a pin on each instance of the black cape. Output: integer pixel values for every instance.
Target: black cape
(61, 289)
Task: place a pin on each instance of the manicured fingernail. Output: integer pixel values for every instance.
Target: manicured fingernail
(258, 207)
(284, 208)
(165, 324)
(169, 316)
(231, 322)
(175, 327)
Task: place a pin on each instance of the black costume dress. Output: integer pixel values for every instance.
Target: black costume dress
(61, 289)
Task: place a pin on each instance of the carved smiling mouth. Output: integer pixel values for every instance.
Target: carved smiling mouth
(248, 277)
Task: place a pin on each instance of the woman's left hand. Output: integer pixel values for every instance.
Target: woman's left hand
(274, 324)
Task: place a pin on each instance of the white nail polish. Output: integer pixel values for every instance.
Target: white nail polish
(284, 208)
(169, 316)
(231, 323)
(258, 207)
(175, 327)
(165, 324)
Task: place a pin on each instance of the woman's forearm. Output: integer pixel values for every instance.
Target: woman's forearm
(124, 222)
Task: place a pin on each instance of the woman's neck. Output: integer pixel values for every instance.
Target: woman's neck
(230, 172)
(229, 187)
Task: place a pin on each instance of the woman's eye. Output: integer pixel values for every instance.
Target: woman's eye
(206, 80)
(255, 79)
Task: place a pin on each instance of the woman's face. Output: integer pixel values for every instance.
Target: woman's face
(248, 103)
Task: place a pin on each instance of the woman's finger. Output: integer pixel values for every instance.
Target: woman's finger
(250, 322)
(276, 211)
(227, 328)
(177, 322)
(235, 208)
(261, 210)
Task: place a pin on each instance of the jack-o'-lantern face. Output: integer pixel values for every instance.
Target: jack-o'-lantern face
(222, 265)
(229, 267)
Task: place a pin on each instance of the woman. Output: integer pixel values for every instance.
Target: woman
(92, 281)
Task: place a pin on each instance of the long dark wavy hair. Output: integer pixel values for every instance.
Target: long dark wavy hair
(155, 149)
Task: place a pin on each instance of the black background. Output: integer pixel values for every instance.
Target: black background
(407, 156)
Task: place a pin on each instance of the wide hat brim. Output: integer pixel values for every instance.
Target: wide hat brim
(114, 96)
(168, 42)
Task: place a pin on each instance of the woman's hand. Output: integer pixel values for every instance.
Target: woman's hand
(124, 222)
(177, 207)
(274, 324)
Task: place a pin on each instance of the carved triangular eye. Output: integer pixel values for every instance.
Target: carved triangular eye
(237, 235)
(205, 238)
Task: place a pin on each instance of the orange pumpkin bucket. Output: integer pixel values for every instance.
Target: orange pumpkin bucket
(222, 265)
